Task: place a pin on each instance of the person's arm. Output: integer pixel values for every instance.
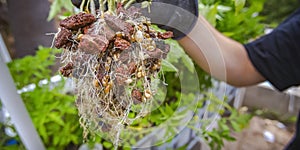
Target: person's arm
(222, 57)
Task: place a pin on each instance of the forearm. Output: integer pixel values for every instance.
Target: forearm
(222, 57)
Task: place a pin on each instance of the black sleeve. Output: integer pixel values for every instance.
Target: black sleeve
(277, 55)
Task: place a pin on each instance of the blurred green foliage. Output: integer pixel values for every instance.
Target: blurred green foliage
(241, 21)
(239, 24)
(275, 11)
(32, 69)
(234, 20)
(55, 115)
(8, 142)
(59, 6)
(53, 112)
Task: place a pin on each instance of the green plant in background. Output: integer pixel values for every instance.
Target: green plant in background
(55, 116)
(59, 6)
(53, 113)
(7, 142)
(32, 69)
(275, 11)
(235, 21)
(239, 20)
(172, 76)
(235, 122)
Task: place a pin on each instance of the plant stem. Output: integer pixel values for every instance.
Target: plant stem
(111, 6)
(128, 3)
(92, 7)
(82, 5)
(101, 6)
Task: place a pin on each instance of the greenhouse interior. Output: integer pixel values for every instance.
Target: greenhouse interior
(116, 74)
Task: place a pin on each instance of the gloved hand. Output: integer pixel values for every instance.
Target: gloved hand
(178, 16)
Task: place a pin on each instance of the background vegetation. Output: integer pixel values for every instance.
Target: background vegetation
(275, 11)
(53, 111)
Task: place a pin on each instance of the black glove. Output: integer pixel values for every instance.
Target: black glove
(178, 16)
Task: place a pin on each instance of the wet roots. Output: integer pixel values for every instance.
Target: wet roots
(112, 59)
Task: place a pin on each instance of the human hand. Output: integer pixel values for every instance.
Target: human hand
(178, 16)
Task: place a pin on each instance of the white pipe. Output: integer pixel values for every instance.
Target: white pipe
(17, 110)
(3, 51)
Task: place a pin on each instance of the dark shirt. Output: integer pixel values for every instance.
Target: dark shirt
(277, 57)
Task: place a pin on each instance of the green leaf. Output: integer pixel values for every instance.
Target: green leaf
(56, 140)
(243, 119)
(127, 147)
(239, 5)
(209, 12)
(57, 6)
(107, 144)
(57, 119)
(187, 61)
(234, 114)
(169, 110)
(176, 51)
(168, 67)
(43, 132)
(74, 139)
(54, 9)
(236, 126)
(223, 126)
(163, 112)
(212, 14)
(228, 34)
(132, 141)
(229, 138)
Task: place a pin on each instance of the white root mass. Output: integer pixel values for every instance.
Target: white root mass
(112, 66)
